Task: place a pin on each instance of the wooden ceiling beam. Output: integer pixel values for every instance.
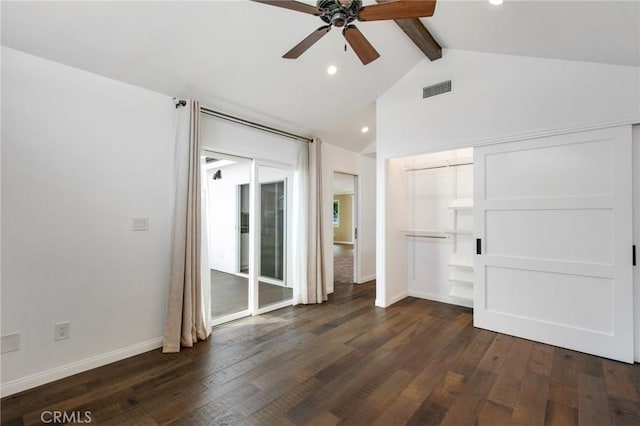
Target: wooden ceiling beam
(418, 33)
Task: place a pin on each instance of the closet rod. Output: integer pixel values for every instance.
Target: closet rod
(234, 119)
(438, 167)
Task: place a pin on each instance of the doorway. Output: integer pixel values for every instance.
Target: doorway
(344, 226)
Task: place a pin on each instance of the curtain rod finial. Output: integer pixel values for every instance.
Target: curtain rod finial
(179, 102)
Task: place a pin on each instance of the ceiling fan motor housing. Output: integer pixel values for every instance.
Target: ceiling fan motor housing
(338, 14)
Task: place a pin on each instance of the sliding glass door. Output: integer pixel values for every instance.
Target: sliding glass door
(274, 215)
(248, 211)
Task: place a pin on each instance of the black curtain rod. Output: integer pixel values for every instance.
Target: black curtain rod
(247, 123)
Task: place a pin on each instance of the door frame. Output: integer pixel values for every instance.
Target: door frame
(356, 222)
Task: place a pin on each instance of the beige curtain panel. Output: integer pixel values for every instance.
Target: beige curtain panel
(316, 277)
(186, 322)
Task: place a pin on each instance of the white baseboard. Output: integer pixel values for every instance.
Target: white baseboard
(391, 300)
(367, 278)
(57, 373)
(439, 298)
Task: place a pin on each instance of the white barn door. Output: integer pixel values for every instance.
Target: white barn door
(553, 223)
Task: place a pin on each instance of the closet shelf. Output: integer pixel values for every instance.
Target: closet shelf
(461, 260)
(461, 276)
(462, 292)
(461, 204)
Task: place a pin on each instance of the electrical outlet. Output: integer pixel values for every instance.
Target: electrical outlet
(62, 330)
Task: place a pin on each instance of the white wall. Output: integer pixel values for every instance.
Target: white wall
(231, 138)
(501, 97)
(494, 98)
(336, 159)
(392, 203)
(81, 156)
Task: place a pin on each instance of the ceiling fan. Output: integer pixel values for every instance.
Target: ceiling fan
(341, 14)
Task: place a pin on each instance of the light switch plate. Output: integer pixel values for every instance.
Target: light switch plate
(10, 342)
(140, 224)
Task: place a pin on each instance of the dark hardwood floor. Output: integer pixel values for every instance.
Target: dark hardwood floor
(417, 362)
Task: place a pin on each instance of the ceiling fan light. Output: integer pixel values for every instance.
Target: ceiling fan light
(338, 19)
(332, 69)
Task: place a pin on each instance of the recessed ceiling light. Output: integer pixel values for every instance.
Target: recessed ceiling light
(496, 2)
(365, 129)
(332, 70)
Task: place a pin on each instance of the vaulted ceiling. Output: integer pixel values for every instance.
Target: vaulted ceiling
(228, 54)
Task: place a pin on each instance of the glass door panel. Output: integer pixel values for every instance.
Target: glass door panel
(272, 214)
(227, 183)
(273, 211)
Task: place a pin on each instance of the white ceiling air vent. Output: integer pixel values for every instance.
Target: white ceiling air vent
(436, 89)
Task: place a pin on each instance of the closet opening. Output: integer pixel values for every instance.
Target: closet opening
(440, 225)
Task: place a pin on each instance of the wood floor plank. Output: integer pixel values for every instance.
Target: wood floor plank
(560, 415)
(619, 380)
(532, 400)
(496, 354)
(563, 394)
(448, 390)
(466, 407)
(492, 414)
(348, 362)
(541, 361)
(507, 386)
(624, 412)
(565, 368)
(593, 404)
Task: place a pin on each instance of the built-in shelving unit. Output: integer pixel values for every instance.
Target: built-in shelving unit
(460, 264)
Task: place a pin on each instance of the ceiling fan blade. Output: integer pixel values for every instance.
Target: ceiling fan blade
(360, 44)
(401, 9)
(309, 41)
(293, 5)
